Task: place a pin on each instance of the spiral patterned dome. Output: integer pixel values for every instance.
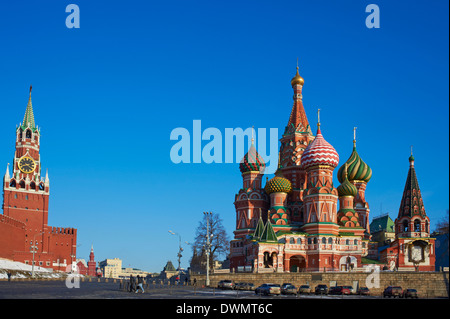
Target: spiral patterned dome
(252, 161)
(278, 184)
(319, 152)
(356, 168)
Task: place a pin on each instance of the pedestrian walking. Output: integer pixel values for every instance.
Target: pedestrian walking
(132, 283)
(139, 284)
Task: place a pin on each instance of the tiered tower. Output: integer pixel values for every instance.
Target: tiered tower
(24, 224)
(251, 202)
(414, 248)
(320, 196)
(297, 136)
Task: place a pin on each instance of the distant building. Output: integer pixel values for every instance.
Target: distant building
(127, 272)
(168, 271)
(382, 229)
(111, 268)
(89, 268)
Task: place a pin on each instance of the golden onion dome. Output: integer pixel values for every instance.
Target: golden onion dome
(297, 79)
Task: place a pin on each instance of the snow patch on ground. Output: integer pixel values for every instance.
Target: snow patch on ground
(20, 270)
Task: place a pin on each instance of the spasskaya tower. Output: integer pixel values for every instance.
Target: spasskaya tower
(24, 224)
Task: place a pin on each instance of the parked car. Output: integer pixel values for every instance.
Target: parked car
(268, 289)
(410, 293)
(351, 290)
(393, 291)
(239, 286)
(304, 289)
(321, 290)
(288, 289)
(250, 286)
(364, 291)
(225, 284)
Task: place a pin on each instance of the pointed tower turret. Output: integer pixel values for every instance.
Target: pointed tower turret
(28, 118)
(412, 221)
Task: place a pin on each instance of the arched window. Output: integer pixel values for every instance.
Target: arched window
(41, 187)
(309, 240)
(315, 240)
(12, 183)
(28, 134)
(330, 240)
(355, 242)
(347, 242)
(299, 241)
(22, 184)
(33, 185)
(405, 225)
(417, 225)
(426, 226)
(324, 240)
(291, 241)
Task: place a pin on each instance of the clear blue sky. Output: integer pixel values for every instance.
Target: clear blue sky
(107, 96)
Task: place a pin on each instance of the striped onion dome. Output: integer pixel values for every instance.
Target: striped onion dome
(356, 168)
(346, 188)
(252, 161)
(319, 152)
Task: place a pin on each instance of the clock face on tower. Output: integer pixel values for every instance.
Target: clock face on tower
(27, 165)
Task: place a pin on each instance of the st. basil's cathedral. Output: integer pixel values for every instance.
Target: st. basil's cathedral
(294, 223)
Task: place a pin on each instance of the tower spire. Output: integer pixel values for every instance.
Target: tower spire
(28, 119)
(298, 121)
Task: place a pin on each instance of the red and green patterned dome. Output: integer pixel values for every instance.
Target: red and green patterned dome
(252, 161)
(278, 184)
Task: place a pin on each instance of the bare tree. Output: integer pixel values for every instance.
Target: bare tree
(220, 243)
(442, 225)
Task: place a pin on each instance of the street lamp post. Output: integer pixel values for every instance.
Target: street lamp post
(208, 245)
(179, 255)
(33, 249)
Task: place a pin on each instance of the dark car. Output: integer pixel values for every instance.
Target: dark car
(288, 289)
(321, 290)
(410, 293)
(336, 290)
(393, 291)
(268, 289)
(364, 291)
(339, 290)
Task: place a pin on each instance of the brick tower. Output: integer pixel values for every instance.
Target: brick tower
(91, 271)
(413, 248)
(24, 224)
